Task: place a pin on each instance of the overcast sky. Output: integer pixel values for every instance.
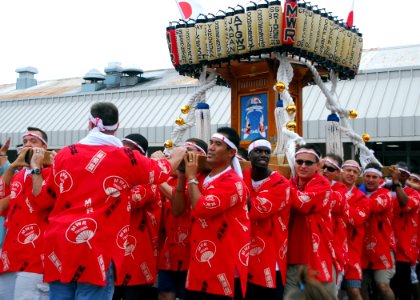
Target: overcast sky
(65, 39)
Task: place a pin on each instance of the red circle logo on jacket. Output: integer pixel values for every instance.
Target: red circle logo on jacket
(257, 246)
(205, 251)
(15, 189)
(82, 231)
(28, 234)
(263, 205)
(138, 193)
(113, 185)
(126, 241)
(244, 254)
(283, 249)
(64, 181)
(211, 202)
(370, 243)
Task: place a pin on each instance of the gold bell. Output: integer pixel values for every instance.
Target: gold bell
(291, 109)
(280, 86)
(185, 109)
(366, 137)
(179, 121)
(353, 114)
(291, 125)
(168, 144)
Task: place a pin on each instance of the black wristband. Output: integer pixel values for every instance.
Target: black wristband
(395, 185)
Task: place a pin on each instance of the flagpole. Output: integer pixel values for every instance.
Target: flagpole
(179, 8)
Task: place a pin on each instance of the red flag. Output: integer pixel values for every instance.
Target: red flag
(349, 22)
(189, 8)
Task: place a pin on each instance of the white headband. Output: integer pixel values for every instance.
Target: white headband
(235, 161)
(415, 176)
(35, 136)
(186, 144)
(333, 163)
(372, 170)
(351, 166)
(404, 170)
(307, 151)
(135, 144)
(225, 140)
(99, 125)
(259, 143)
(240, 158)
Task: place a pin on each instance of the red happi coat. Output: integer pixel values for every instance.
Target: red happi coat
(138, 239)
(379, 235)
(358, 214)
(339, 216)
(269, 214)
(405, 224)
(310, 229)
(4, 189)
(175, 252)
(418, 236)
(220, 236)
(26, 221)
(91, 185)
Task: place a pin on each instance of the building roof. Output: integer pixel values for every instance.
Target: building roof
(385, 93)
(150, 112)
(387, 103)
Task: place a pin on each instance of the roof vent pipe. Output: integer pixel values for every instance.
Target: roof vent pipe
(26, 78)
(113, 75)
(94, 81)
(131, 76)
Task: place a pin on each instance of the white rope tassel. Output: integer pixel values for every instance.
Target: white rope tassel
(280, 118)
(206, 83)
(286, 139)
(333, 141)
(366, 155)
(203, 121)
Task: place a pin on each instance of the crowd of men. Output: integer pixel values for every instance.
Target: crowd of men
(104, 221)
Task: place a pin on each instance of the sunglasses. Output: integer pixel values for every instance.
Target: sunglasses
(306, 162)
(330, 169)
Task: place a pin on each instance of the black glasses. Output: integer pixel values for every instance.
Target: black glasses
(330, 169)
(306, 162)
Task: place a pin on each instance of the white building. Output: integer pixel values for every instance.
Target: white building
(386, 94)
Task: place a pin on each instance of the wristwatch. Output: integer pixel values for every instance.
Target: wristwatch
(395, 185)
(193, 181)
(36, 171)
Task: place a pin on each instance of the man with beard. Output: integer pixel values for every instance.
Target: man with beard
(269, 214)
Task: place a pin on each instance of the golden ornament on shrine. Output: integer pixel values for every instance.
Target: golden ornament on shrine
(291, 109)
(185, 109)
(168, 144)
(353, 114)
(179, 121)
(280, 86)
(366, 137)
(291, 125)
